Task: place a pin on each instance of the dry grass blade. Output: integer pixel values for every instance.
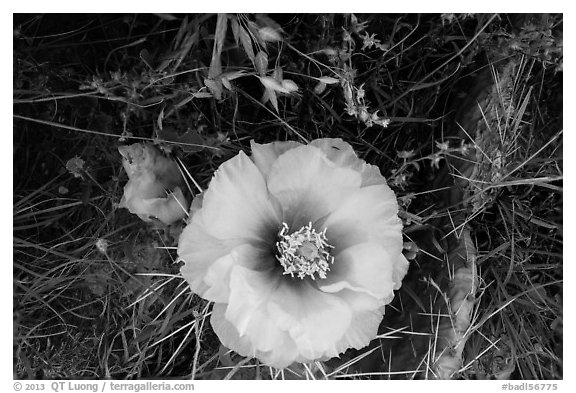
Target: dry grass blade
(219, 37)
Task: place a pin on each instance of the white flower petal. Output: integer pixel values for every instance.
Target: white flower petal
(308, 185)
(368, 215)
(148, 199)
(167, 172)
(169, 209)
(228, 334)
(360, 301)
(367, 313)
(365, 267)
(150, 175)
(342, 154)
(400, 270)
(263, 307)
(199, 250)
(196, 205)
(283, 354)
(208, 259)
(237, 205)
(249, 291)
(247, 310)
(145, 159)
(217, 276)
(315, 320)
(264, 155)
(143, 186)
(337, 151)
(362, 330)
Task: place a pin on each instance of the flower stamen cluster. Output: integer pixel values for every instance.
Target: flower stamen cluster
(304, 252)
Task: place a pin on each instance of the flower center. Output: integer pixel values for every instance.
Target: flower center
(304, 252)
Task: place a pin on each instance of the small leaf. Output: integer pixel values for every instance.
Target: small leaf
(168, 17)
(319, 88)
(273, 85)
(235, 29)
(274, 100)
(270, 95)
(265, 20)
(330, 52)
(348, 93)
(289, 85)
(160, 119)
(226, 83)
(230, 76)
(253, 30)
(200, 94)
(152, 101)
(328, 80)
(233, 75)
(246, 43)
(215, 87)
(219, 36)
(278, 74)
(261, 63)
(266, 96)
(268, 34)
